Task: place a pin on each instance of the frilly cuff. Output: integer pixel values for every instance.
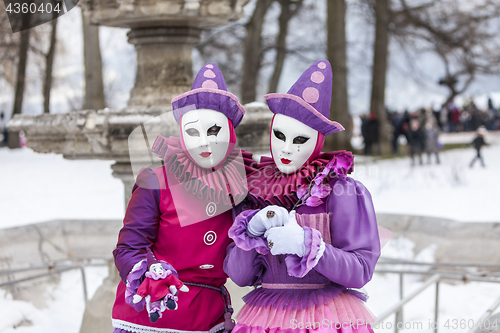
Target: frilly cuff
(238, 232)
(135, 278)
(315, 247)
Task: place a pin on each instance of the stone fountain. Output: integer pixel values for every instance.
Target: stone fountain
(163, 33)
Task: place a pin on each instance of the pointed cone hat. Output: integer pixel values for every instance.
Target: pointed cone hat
(309, 99)
(209, 92)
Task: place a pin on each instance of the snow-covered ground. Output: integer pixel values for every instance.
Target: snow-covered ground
(449, 190)
(460, 304)
(41, 187)
(65, 305)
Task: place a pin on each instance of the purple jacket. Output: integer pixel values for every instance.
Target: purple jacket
(347, 225)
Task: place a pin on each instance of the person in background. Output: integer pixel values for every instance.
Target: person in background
(416, 141)
(478, 143)
(3, 131)
(397, 122)
(431, 140)
(371, 133)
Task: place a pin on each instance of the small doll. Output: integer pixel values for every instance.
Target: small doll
(160, 288)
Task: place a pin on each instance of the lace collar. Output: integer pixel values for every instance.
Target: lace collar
(269, 186)
(221, 185)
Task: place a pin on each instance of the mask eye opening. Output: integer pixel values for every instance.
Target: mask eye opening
(214, 130)
(299, 140)
(279, 135)
(192, 132)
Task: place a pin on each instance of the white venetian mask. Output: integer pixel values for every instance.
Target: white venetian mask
(292, 143)
(206, 136)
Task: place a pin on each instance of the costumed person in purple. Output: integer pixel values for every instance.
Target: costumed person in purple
(182, 211)
(315, 239)
(161, 286)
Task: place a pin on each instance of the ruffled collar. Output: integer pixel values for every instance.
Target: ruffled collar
(269, 186)
(227, 184)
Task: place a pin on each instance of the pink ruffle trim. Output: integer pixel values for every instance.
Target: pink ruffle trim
(212, 185)
(299, 267)
(238, 233)
(345, 308)
(257, 329)
(269, 186)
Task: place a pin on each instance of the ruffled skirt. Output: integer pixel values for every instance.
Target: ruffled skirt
(344, 313)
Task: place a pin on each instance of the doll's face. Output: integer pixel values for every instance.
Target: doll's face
(157, 269)
(292, 143)
(206, 136)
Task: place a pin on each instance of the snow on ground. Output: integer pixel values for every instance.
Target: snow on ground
(460, 304)
(65, 305)
(41, 187)
(450, 190)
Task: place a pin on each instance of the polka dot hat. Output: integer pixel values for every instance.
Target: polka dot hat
(308, 100)
(209, 92)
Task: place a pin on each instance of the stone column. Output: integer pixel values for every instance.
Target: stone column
(123, 171)
(97, 315)
(164, 64)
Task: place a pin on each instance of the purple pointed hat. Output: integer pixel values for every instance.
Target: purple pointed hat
(308, 100)
(209, 92)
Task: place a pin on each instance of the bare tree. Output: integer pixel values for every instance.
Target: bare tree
(49, 62)
(21, 71)
(288, 10)
(379, 71)
(463, 34)
(252, 53)
(337, 48)
(94, 86)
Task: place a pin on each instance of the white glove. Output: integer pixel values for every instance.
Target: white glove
(288, 239)
(137, 299)
(174, 291)
(269, 217)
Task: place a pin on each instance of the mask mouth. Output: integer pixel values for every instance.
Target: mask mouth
(205, 154)
(285, 161)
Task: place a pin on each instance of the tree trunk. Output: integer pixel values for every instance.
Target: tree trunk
(286, 15)
(24, 44)
(21, 71)
(336, 53)
(47, 84)
(94, 87)
(252, 53)
(377, 102)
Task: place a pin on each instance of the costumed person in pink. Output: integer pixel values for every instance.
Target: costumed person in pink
(314, 239)
(161, 286)
(182, 211)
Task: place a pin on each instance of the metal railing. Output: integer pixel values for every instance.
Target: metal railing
(438, 273)
(54, 267)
